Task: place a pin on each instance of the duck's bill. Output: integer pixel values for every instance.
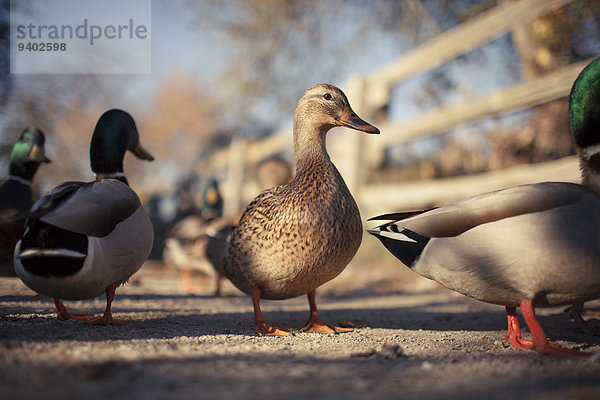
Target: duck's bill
(37, 154)
(349, 119)
(140, 152)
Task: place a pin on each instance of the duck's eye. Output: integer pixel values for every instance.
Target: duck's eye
(327, 96)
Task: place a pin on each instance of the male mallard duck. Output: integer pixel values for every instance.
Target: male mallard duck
(15, 193)
(212, 206)
(529, 246)
(82, 239)
(293, 238)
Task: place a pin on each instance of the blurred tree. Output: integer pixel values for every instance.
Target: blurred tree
(283, 46)
(183, 118)
(179, 126)
(65, 109)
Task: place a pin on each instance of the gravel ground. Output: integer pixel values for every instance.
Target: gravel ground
(415, 340)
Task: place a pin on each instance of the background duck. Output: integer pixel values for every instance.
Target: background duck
(293, 238)
(83, 239)
(529, 246)
(197, 243)
(15, 192)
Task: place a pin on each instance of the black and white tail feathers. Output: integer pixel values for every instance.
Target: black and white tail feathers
(403, 243)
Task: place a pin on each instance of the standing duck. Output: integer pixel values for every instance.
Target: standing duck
(83, 239)
(293, 238)
(197, 242)
(529, 246)
(15, 193)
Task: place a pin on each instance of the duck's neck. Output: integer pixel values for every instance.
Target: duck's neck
(107, 151)
(589, 163)
(120, 176)
(24, 170)
(309, 144)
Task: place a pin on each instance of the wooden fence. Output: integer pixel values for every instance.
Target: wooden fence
(354, 154)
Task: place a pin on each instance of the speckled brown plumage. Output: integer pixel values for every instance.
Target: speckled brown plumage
(293, 238)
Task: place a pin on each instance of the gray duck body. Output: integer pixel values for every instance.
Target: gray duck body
(514, 244)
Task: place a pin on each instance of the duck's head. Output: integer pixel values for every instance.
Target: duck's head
(323, 107)
(584, 110)
(212, 206)
(28, 153)
(211, 194)
(115, 133)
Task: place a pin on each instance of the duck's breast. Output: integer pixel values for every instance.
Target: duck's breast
(291, 242)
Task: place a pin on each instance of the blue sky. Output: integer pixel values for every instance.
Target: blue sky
(184, 40)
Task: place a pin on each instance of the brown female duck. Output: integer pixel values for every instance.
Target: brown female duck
(293, 238)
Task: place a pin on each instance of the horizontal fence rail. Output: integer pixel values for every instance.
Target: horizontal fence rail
(354, 153)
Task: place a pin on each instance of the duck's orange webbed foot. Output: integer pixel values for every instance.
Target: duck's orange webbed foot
(63, 314)
(319, 327)
(105, 320)
(314, 324)
(556, 350)
(540, 341)
(263, 329)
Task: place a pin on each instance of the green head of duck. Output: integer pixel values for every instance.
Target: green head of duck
(28, 153)
(584, 106)
(115, 133)
(212, 206)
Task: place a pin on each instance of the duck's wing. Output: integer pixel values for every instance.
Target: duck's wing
(92, 209)
(263, 207)
(398, 216)
(454, 219)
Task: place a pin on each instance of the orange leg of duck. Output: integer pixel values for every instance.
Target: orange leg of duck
(63, 313)
(188, 284)
(107, 318)
(261, 326)
(314, 324)
(575, 311)
(540, 342)
(514, 331)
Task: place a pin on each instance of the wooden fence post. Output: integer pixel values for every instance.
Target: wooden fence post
(346, 148)
(236, 166)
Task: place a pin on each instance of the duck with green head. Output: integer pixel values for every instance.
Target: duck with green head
(529, 246)
(85, 239)
(293, 238)
(15, 192)
(197, 243)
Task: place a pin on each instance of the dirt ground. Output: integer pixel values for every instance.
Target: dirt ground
(417, 341)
